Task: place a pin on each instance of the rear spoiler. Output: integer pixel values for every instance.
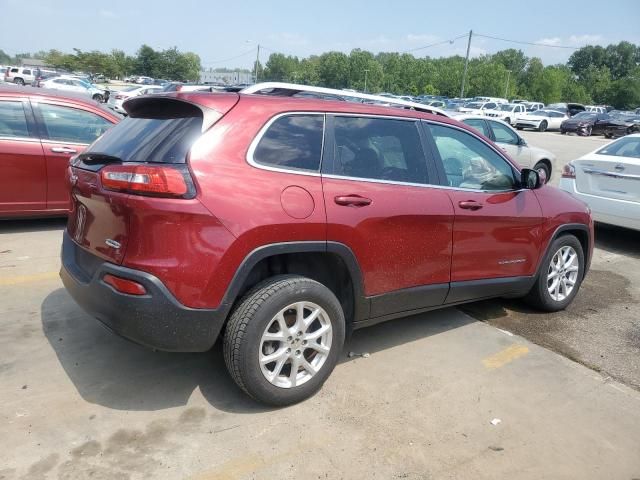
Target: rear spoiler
(165, 106)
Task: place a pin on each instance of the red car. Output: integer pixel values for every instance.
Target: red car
(39, 131)
(283, 223)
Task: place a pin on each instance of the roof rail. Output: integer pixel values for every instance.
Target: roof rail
(290, 89)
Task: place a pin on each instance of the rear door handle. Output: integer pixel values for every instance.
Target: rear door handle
(352, 200)
(470, 205)
(63, 150)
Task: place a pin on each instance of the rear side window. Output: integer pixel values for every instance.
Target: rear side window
(292, 141)
(65, 124)
(150, 139)
(13, 122)
(378, 149)
(479, 125)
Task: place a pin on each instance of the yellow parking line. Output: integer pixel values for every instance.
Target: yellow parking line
(36, 277)
(505, 356)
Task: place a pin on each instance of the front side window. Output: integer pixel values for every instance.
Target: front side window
(470, 163)
(292, 141)
(504, 134)
(378, 149)
(65, 124)
(13, 122)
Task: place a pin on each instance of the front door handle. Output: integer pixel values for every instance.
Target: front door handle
(63, 150)
(470, 205)
(352, 200)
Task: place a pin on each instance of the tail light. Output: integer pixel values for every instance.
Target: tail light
(158, 181)
(569, 171)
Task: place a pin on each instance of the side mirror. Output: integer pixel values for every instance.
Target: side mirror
(522, 142)
(531, 179)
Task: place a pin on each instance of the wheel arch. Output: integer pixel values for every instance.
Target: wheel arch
(331, 263)
(581, 232)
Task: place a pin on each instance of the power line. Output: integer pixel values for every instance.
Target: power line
(230, 58)
(436, 44)
(527, 43)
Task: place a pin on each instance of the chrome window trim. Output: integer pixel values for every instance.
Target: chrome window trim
(21, 139)
(254, 144)
(261, 132)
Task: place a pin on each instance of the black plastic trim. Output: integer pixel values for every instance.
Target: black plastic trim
(472, 290)
(569, 227)
(407, 299)
(156, 319)
(361, 303)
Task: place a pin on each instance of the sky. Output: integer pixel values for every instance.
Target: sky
(226, 34)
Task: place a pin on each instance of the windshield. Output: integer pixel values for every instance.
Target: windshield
(476, 105)
(542, 113)
(625, 147)
(506, 108)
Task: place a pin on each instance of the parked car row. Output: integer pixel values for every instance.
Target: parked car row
(40, 130)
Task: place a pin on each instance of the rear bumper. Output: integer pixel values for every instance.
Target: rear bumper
(612, 211)
(156, 319)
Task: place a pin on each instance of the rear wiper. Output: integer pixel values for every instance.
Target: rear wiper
(93, 158)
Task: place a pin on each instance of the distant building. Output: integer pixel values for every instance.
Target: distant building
(32, 62)
(226, 76)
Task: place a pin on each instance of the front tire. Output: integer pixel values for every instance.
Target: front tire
(560, 275)
(18, 81)
(543, 126)
(283, 339)
(543, 167)
(98, 98)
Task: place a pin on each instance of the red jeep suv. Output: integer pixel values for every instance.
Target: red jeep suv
(283, 223)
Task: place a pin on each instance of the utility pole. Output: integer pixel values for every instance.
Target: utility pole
(365, 80)
(506, 90)
(257, 62)
(466, 64)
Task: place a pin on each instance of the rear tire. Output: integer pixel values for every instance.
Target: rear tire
(270, 322)
(507, 120)
(519, 128)
(559, 278)
(543, 126)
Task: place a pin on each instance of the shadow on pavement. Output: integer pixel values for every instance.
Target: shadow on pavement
(618, 240)
(110, 371)
(32, 225)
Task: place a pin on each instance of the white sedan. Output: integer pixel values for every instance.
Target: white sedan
(512, 143)
(117, 98)
(608, 180)
(68, 83)
(541, 120)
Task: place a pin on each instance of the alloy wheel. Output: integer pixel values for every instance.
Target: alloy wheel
(295, 344)
(562, 274)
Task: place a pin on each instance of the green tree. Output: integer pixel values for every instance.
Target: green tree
(333, 70)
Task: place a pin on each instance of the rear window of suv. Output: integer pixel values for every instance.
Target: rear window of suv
(154, 140)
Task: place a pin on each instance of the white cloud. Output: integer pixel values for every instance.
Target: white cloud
(550, 41)
(107, 13)
(422, 38)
